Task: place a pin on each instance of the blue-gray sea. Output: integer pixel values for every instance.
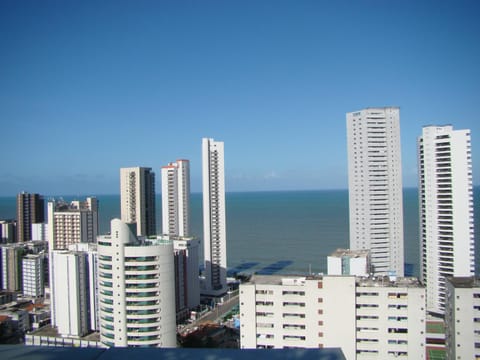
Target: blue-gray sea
(278, 231)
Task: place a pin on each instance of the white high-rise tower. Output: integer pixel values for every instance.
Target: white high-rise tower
(215, 244)
(375, 187)
(137, 197)
(176, 198)
(446, 210)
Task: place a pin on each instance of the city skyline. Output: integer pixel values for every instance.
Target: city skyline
(79, 81)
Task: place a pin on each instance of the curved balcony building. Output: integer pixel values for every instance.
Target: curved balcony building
(136, 289)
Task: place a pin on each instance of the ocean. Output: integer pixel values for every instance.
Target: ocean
(278, 231)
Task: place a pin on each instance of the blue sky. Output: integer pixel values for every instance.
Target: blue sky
(87, 87)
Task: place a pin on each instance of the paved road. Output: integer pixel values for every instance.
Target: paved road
(212, 316)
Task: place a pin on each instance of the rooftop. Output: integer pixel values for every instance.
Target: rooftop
(464, 281)
(350, 253)
(385, 281)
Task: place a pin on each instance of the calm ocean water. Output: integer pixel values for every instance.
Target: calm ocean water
(278, 232)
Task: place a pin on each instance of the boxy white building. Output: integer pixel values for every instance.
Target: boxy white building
(367, 318)
(348, 262)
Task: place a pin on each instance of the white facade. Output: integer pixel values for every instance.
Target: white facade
(7, 231)
(187, 282)
(366, 318)
(462, 318)
(290, 311)
(71, 223)
(40, 231)
(136, 289)
(32, 273)
(348, 262)
(176, 198)
(69, 293)
(446, 210)
(214, 223)
(137, 199)
(375, 187)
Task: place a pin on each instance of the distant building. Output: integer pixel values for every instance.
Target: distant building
(137, 198)
(71, 223)
(136, 289)
(375, 187)
(30, 210)
(33, 275)
(214, 223)
(40, 231)
(187, 281)
(11, 267)
(462, 317)
(73, 291)
(349, 262)
(446, 210)
(8, 231)
(176, 198)
(367, 318)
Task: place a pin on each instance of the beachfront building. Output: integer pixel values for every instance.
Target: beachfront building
(33, 275)
(348, 262)
(73, 290)
(30, 210)
(375, 187)
(137, 199)
(176, 198)
(71, 223)
(136, 289)
(462, 317)
(366, 317)
(40, 231)
(214, 224)
(446, 210)
(187, 281)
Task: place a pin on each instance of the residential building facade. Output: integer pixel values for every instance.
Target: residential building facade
(349, 262)
(375, 187)
(214, 223)
(447, 247)
(176, 198)
(30, 210)
(136, 289)
(33, 275)
(137, 199)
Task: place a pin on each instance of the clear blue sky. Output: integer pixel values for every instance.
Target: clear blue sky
(87, 87)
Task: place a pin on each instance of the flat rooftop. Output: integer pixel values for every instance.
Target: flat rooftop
(385, 281)
(464, 281)
(349, 253)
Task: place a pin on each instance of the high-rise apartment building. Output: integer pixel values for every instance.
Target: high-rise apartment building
(368, 318)
(33, 275)
(187, 281)
(462, 317)
(71, 223)
(8, 231)
(176, 198)
(446, 210)
(375, 187)
(72, 291)
(137, 198)
(30, 210)
(214, 224)
(11, 267)
(136, 289)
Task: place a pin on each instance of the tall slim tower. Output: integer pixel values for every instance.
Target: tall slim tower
(30, 210)
(176, 198)
(375, 187)
(137, 197)
(215, 243)
(446, 210)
